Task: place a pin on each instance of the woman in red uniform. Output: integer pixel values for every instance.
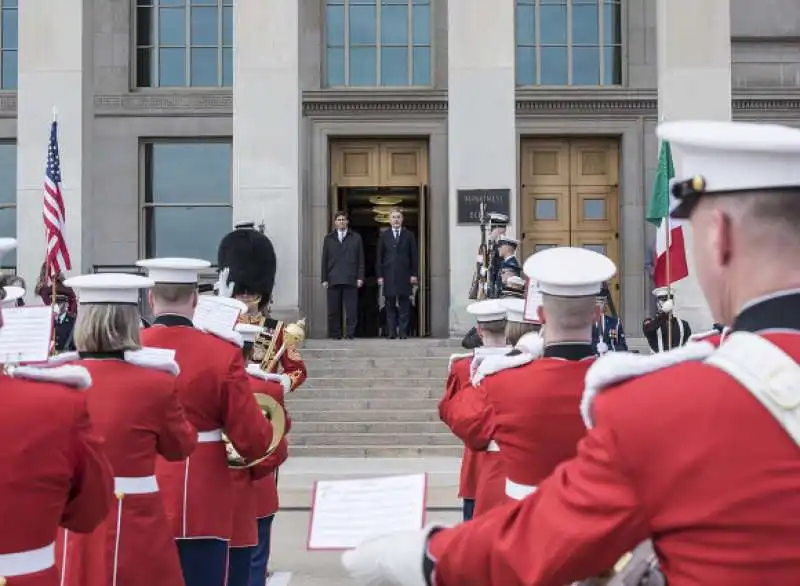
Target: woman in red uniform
(134, 407)
(256, 488)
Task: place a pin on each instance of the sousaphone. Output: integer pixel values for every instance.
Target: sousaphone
(276, 415)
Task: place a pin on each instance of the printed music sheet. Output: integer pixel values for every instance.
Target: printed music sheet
(25, 335)
(213, 316)
(344, 513)
(533, 301)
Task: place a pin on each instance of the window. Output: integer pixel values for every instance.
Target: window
(184, 43)
(187, 198)
(569, 42)
(9, 28)
(8, 199)
(378, 43)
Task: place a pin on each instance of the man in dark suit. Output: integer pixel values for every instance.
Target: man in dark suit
(397, 269)
(342, 275)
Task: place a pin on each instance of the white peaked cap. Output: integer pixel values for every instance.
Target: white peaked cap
(118, 288)
(7, 245)
(174, 271)
(249, 332)
(515, 309)
(662, 291)
(11, 296)
(487, 310)
(225, 301)
(735, 156)
(568, 271)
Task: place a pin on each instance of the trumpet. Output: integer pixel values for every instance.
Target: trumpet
(276, 414)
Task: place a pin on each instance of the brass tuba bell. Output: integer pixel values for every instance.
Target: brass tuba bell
(276, 414)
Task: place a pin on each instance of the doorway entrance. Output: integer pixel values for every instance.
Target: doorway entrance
(370, 177)
(570, 197)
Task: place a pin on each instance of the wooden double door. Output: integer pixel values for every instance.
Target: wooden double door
(569, 196)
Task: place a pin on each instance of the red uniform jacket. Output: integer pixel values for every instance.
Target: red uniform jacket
(470, 416)
(684, 455)
(213, 389)
(458, 376)
(54, 469)
(537, 413)
(256, 491)
(135, 409)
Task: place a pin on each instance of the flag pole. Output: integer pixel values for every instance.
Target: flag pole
(49, 271)
(668, 229)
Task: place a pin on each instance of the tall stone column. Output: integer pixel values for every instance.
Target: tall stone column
(55, 71)
(694, 83)
(482, 151)
(266, 132)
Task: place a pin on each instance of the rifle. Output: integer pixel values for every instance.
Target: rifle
(478, 287)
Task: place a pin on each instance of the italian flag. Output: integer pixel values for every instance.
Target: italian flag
(666, 272)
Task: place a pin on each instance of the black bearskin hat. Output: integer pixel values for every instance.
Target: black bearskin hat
(250, 257)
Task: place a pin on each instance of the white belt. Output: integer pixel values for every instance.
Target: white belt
(208, 437)
(27, 562)
(135, 485)
(492, 447)
(518, 491)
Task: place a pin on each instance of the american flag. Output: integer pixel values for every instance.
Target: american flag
(54, 213)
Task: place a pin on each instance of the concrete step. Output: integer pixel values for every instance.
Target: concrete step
(370, 427)
(374, 439)
(379, 350)
(366, 415)
(369, 381)
(338, 370)
(308, 402)
(361, 362)
(360, 343)
(365, 392)
(374, 451)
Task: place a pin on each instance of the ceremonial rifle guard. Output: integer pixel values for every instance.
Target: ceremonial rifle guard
(508, 265)
(244, 257)
(215, 392)
(646, 467)
(54, 469)
(134, 407)
(467, 412)
(249, 564)
(607, 332)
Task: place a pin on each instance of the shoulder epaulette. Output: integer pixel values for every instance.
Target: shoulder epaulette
(162, 359)
(710, 334)
(454, 358)
(480, 354)
(70, 375)
(617, 367)
(494, 364)
(232, 336)
(254, 370)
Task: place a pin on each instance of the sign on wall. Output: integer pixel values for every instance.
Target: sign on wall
(469, 204)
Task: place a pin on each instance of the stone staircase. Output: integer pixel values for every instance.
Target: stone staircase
(372, 399)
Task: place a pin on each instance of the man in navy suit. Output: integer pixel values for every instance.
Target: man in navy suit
(607, 332)
(397, 269)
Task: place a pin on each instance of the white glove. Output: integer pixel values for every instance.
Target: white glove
(602, 348)
(483, 271)
(394, 559)
(223, 288)
(667, 306)
(479, 259)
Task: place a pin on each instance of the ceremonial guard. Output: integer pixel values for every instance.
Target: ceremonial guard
(249, 565)
(242, 257)
(54, 469)
(215, 392)
(508, 265)
(135, 409)
(665, 331)
(718, 512)
(467, 411)
(607, 332)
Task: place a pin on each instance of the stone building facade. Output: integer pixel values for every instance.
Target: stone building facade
(179, 117)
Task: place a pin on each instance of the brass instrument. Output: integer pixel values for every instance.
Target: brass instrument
(265, 349)
(276, 414)
(478, 287)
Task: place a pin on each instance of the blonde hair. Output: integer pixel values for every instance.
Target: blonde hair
(515, 330)
(493, 327)
(107, 328)
(173, 293)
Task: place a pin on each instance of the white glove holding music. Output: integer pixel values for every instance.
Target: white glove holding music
(394, 559)
(667, 306)
(222, 287)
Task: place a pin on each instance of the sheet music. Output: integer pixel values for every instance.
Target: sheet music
(533, 300)
(214, 316)
(346, 512)
(25, 335)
